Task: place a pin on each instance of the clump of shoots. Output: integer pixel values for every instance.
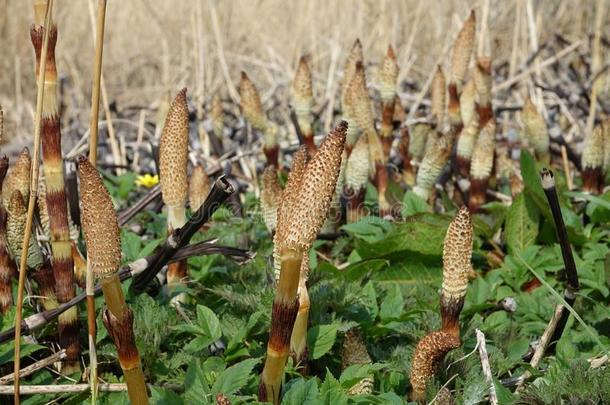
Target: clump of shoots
(302, 100)
(271, 194)
(388, 76)
(303, 209)
(199, 187)
(535, 131)
(429, 353)
(173, 161)
(438, 98)
(103, 241)
(356, 178)
(592, 161)
(457, 266)
(7, 266)
(353, 353)
(482, 165)
(252, 108)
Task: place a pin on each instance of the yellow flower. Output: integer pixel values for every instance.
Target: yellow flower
(147, 180)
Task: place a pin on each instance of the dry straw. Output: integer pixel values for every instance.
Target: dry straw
(303, 209)
(104, 256)
(173, 170)
(302, 102)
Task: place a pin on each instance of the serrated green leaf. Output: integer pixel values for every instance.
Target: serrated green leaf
(208, 322)
(521, 227)
(302, 392)
(413, 204)
(355, 373)
(196, 388)
(234, 378)
(320, 339)
(392, 305)
(161, 396)
(331, 392)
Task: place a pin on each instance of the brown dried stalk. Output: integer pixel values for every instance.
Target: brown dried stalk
(593, 162)
(457, 253)
(535, 131)
(354, 352)
(173, 161)
(302, 102)
(304, 206)
(252, 108)
(482, 165)
(429, 353)
(63, 266)
(104, 255)
(388, 76)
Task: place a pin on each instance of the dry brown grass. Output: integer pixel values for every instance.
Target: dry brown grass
(154, 47)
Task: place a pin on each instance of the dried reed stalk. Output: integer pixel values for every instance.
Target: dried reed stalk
(63, 266)
(103, 241)
(302, 100)
(303, 209)
(173, 173)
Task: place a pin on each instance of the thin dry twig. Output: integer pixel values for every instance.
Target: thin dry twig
(493, 397)
(32, 368)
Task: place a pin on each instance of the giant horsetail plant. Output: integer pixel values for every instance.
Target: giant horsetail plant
(432, 348)
(606, 135)
(435, 159)
(7, 266)
(353, 352)
(592, 161)
(252, 108)
(356, 177)
(271, 195)
(63, 266)
(302, 100)
(18, 177)
(353, 131)
(218, 126)
(438, 99)
(103, 240)
(460, 59)
(303, 209)
(363, 116)
(173, 173)
(298, 338)
(470, 132)
(535, 131)
(388, 77)
(481, 165)
(408, 171)
(199, 187)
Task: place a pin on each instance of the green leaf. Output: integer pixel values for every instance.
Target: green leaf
(196, 387)
(234, 378)
(208, 322)
(355, 373)
(162, 396)
(369, 229)
(521, 224)
(357, 271)
(369, 300)
(423, 233)
(131, 244)
(331, 392)
(302, 392)
(532, 185)
(413, 204)
(392, 305)
(320, 339)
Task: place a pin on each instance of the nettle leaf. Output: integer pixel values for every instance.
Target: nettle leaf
(196, 387)
(413, 204)
(355, 373)
(331, 392)
(320, 339)
(208, 322)
(7, 353)
(392, 305)
(357, 271)
(369, 300)
(234, 378)
(302, 392)
(521, 224)
(369, 229)
(131, 245)
(161, 396)
(423, 233)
